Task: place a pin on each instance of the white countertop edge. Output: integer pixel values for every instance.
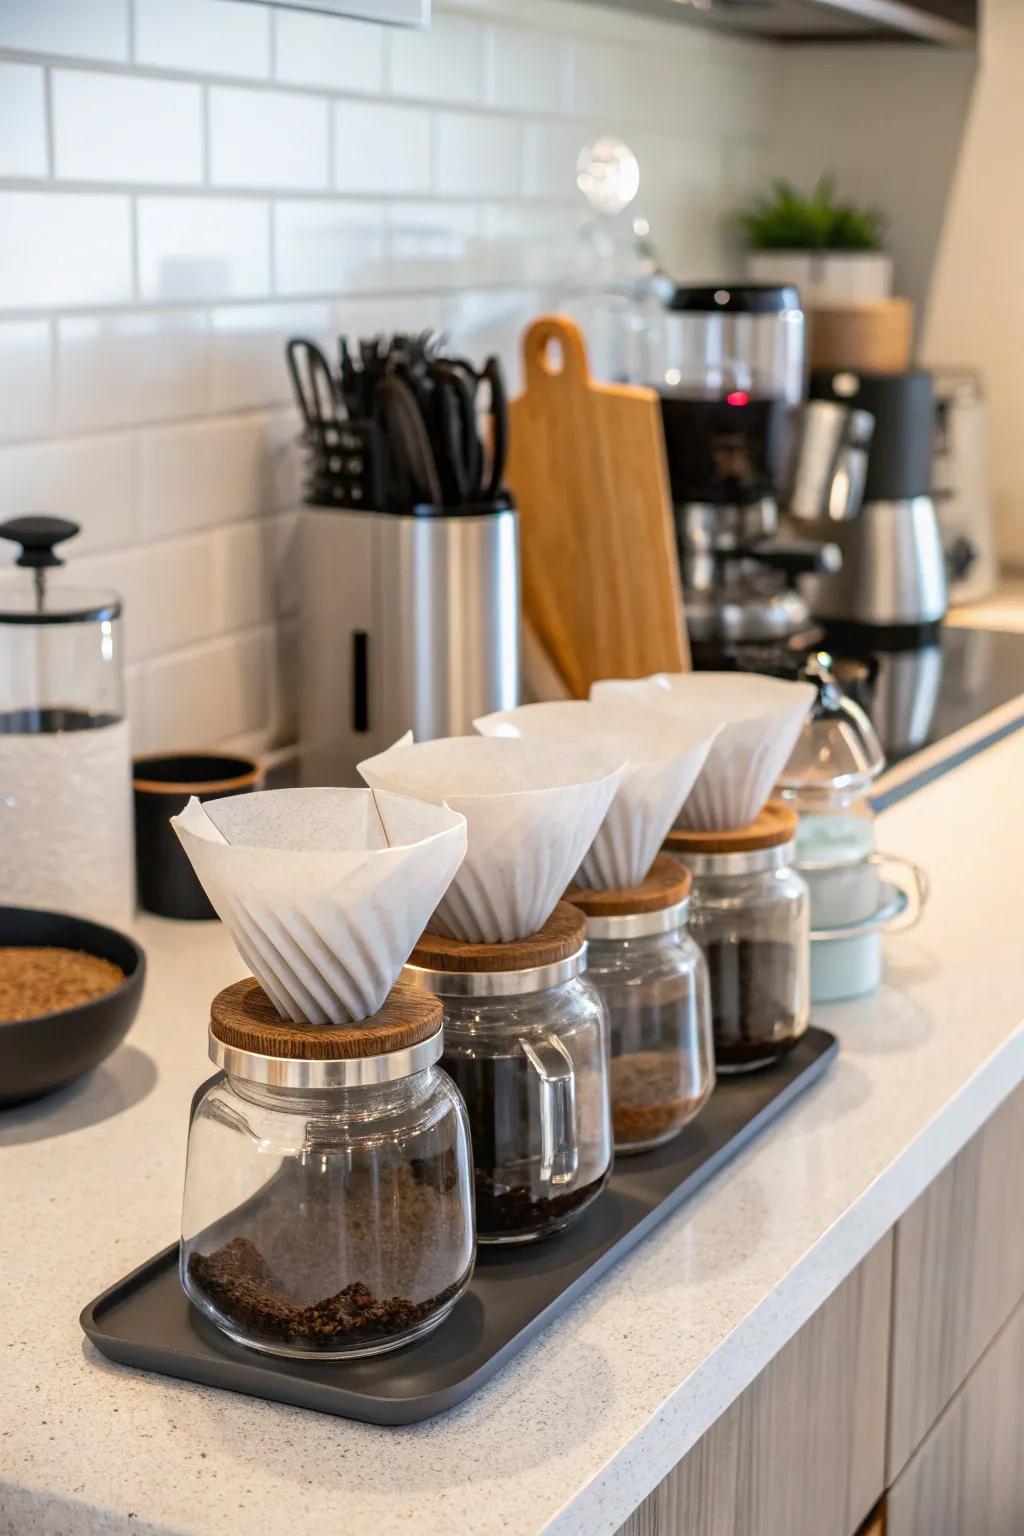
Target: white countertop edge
(613, 1494)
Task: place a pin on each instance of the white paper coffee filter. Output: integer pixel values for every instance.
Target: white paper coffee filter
(324, 891)
(531, 809)
(760, 718)
(664, 754)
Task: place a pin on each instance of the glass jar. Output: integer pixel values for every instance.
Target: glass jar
(526, 1042)
(66, 837)
(750, 914)
(654, 982)
(328, 1207)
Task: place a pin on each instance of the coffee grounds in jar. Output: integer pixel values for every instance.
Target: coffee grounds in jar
(646, 1103)
(503, 1209)
(237, 1280)
(38, 979)
(753, 983)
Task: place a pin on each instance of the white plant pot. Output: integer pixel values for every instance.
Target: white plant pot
(826, 278)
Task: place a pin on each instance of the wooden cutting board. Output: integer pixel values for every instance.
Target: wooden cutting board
(601, 588)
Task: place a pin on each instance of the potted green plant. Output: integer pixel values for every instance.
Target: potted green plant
(831, 250)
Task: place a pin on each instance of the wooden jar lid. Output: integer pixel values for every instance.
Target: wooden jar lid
(667, 884)
(243, 1017)
(561, 936)
(776, 825)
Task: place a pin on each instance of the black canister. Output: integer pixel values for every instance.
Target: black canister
(163, 784)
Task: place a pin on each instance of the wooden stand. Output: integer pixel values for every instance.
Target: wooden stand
(560, 937)
(668, 882)
(242, 1016)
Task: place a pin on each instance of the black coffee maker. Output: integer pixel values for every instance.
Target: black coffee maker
(731, 385)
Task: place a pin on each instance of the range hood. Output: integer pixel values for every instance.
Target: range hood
(951, 22)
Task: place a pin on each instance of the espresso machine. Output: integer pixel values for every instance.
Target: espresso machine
(739, 440)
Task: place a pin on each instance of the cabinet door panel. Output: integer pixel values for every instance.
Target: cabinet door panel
(803, 1450)
(959, 1272)
(967, 1479)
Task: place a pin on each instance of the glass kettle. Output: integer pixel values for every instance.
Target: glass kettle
(65, 759)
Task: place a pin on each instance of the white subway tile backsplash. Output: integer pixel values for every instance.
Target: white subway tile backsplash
(247, 343)
(25, 378)
(213, 37)
(200, 475)
(442, 63)
(435, 245)
(381, 148)
(22, 120)
(244, 575)
(117, 128)
(329, 51)
(478, 156)
(81, 29)
(168, 603)
(550, 156)
(328, 247)
(203, 248)
(411, 313)
(64, 248)
(209, 693)
(526, 71)
(90, 480)
(536, 243)
(387, 206)
(267, 139)
(135, 366)
(611, 81)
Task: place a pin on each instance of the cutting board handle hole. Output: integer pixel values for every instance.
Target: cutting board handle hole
(552, 356)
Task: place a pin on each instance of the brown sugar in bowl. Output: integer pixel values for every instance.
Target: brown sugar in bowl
(51, 1048)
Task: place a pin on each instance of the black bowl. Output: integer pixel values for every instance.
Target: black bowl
(40, 1054)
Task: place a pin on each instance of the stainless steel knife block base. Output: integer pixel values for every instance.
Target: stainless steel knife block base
(406, 623)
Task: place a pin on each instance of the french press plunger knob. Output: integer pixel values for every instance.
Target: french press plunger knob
(38, 534)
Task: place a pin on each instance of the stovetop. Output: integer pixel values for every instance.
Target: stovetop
(919, 696)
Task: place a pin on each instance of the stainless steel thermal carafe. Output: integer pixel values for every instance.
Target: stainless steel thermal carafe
(407, 622)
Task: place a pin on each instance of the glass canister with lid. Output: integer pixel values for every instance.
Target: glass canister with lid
(750, 914)
(328, 1205)
(653, 979)
(525, 1041)
(65, 759)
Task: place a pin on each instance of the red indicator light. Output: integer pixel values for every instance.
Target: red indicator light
(737, 397)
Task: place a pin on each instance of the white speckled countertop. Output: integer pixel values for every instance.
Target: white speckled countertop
(578, 1429)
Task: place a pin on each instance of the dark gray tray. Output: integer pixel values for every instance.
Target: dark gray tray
(146, 1320)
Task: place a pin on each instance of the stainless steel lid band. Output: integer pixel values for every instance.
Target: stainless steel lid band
(750, 861)
(536, 978)
(639, 925)
(347, 1072)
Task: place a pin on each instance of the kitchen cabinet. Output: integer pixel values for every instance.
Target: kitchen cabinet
(958, 1274)
(952, 22)
(967, 1478)
(803, 1449)
(926, 1336)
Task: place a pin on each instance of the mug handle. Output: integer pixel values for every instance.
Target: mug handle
(912, 880)
(559, 1147)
